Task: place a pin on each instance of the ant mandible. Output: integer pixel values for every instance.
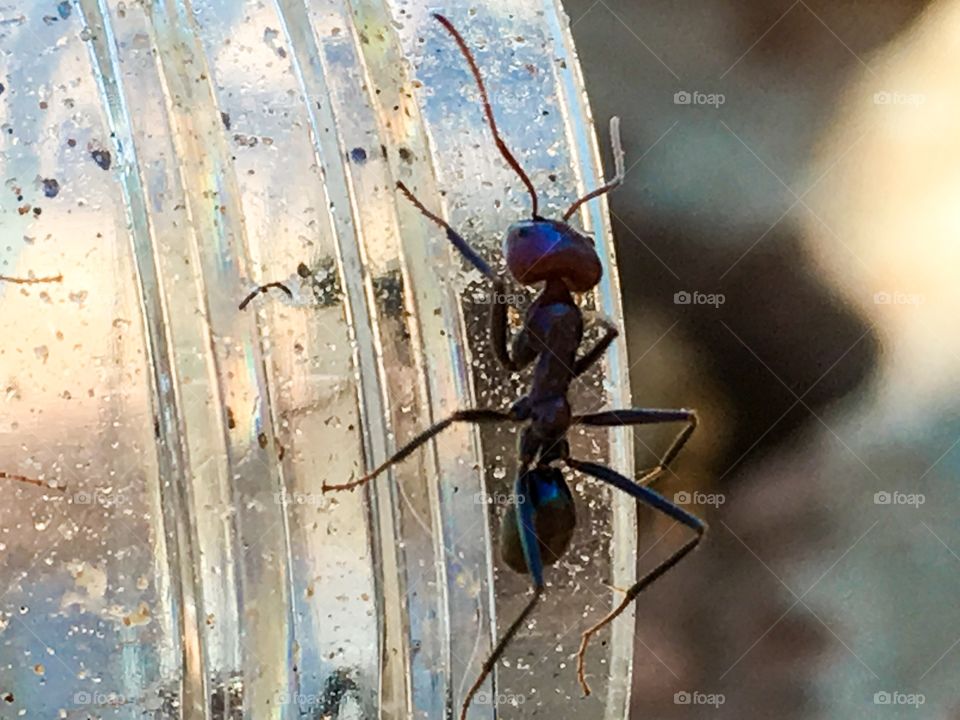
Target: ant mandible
(539, 525)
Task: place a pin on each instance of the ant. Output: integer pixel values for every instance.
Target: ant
(29, 281)
(539, 525)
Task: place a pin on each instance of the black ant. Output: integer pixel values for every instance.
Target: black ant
(29, 281)
(539, 526)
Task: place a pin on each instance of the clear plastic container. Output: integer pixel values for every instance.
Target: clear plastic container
(182, 561)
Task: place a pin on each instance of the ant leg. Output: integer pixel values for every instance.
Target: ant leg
(30, 481)
(657, 502)
(498, 312)
(31, 280)
(264, 289)
(471, 416)
(524, 349)
(531, 553)
(643, 416)
(498, 326)
(21, 478)
(597, 351)
(618, 176)
(452, 235)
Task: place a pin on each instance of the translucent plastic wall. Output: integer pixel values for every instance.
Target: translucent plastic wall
(180, 559)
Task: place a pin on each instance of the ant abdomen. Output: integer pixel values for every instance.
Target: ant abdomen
(555, 518)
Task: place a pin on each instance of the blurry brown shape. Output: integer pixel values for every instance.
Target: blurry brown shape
(31, 280)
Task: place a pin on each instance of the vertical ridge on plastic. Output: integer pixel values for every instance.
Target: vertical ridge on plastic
(576, 111)
(444, 357)
(624, 520)
(311, 73)
(242, 461)
(183, 586)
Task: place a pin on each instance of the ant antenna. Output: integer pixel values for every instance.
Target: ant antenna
(501, 145)
(618, 165)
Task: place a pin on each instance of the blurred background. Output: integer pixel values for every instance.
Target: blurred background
(788, 245)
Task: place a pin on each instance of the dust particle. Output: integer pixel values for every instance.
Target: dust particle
(101, 158)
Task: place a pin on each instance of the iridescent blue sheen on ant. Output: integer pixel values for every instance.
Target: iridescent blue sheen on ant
(554, 514)
(537, 250)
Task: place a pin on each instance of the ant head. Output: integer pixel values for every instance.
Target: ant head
(538, 250)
